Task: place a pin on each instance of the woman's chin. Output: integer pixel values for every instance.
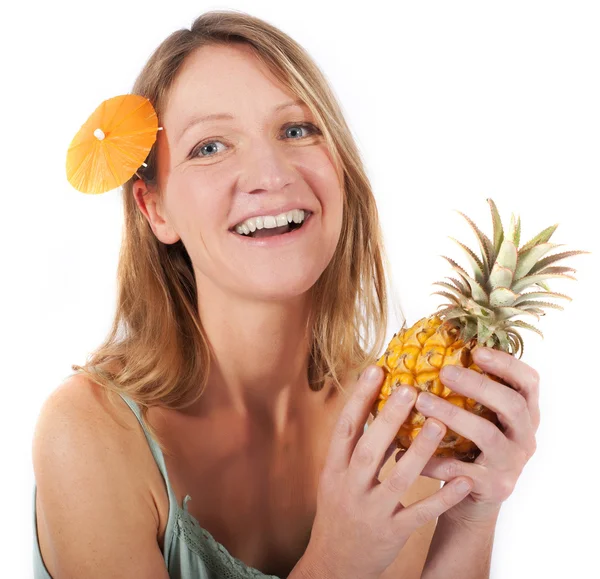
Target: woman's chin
(280, 287)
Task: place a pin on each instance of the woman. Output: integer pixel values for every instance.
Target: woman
(218, 430)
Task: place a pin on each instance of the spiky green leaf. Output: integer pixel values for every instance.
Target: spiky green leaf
(500, 277)
(527, 326)
(542, 304)
(498, 230)
(488, 252)
(509, 312)
(484, 331)
(553, 258)
(504, 341)
(530, 280)
(502, 296)
(475, 263)
(556, 269)
(541, 237)
(469, 330)
(450, 297)
(547, 294)
(507, 257)
(462, 288)
(517, 342)
(527, 259)
(450, 287)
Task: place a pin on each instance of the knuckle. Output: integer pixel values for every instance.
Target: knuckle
(518, 404)
(490, 434)
(327, 482)
(423, 515)
(423, 448)
(391, 413)
(452, 469)
(481, 382)
(532, 446)
(397, 482)
(534, 380)
(363, 454)
(504, 487)
(448, 498)
(344, 426)
(451, 410)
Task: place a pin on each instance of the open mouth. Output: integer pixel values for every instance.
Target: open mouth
(271, 232)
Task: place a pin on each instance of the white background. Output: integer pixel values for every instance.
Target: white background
(449, 102)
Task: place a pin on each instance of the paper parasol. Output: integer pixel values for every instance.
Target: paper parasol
(112, 144)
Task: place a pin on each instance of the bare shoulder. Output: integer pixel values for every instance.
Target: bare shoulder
(96, 513)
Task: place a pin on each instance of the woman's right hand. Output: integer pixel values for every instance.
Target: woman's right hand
(360, 524)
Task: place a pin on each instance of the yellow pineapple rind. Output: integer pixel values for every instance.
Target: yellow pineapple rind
(479, 314)
(415, 356)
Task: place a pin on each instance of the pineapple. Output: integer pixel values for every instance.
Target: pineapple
(481, 313)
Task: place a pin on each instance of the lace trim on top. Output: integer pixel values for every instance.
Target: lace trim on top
(216, 557)
(182, 524)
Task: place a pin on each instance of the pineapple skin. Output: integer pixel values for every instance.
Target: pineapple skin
(415, 356)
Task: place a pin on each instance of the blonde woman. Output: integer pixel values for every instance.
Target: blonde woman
(218, 430)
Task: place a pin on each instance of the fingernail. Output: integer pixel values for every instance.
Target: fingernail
(431, 430)
(451, 372)
(404, 394)
(372, 373)
(483, 354)
(425, 401)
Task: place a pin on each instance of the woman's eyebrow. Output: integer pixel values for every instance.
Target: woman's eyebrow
(199, 119)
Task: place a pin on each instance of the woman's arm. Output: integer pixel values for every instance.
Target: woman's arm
(410, 561)
(96, 516)
(460, 551)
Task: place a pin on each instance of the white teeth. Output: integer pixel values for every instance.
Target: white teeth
(270, 221)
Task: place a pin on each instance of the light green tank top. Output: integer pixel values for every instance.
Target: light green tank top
(190, 552)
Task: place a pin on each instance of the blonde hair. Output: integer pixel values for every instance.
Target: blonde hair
(157, 338)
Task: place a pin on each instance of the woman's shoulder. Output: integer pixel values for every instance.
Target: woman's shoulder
(90, 455)
(82, 410)
(80, 419)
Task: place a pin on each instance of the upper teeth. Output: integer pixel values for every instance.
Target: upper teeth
(270, 221)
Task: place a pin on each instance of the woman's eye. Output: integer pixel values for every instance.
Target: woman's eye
(290, 129)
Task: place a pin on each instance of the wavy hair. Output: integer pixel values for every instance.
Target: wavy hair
(157, 341)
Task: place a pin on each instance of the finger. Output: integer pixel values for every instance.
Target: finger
(350, 423)
(408, 469)
(371, 447)
(447, 469)
(522, 377)
(510, 406)
(485, 434)
(422, 512)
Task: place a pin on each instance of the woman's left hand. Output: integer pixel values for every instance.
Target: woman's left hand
(503, 454)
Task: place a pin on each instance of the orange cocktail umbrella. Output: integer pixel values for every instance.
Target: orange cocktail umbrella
(112, 144)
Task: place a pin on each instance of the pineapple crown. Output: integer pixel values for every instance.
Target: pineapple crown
(483, 305)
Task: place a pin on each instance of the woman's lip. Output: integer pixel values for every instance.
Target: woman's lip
(277, 240)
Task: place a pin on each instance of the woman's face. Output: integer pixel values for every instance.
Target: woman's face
(216, 173)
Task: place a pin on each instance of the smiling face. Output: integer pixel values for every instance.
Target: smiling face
(265, 160)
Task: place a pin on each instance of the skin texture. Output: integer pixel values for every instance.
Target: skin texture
(245, 292)
(274, 432)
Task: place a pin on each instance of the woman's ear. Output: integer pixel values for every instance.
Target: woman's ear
(150, 203)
